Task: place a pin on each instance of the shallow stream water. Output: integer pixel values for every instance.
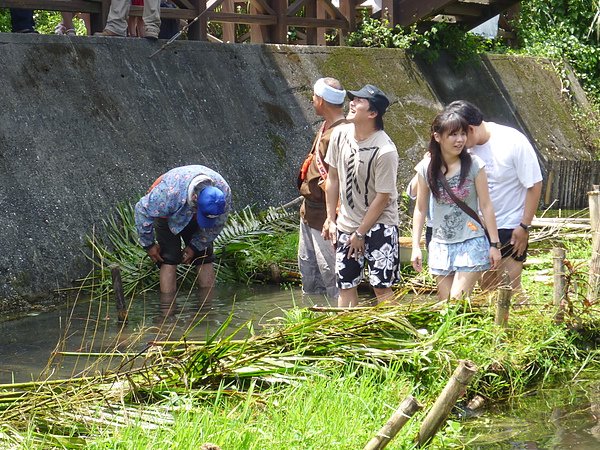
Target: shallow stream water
(85, 326)
(564, 418)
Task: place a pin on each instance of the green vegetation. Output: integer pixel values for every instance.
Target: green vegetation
(442, 37)
(309, 381)
(251, 248)
(45, 22)
(564, 30)
(567, 31)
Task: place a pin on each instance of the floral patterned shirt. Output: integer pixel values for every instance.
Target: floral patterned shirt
(168, 198)
(450, 223)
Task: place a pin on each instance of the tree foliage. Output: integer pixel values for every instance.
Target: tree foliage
(452, 39)
(45, 22)
(565, 30)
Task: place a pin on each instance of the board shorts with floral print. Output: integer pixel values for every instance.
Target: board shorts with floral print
(381, 256)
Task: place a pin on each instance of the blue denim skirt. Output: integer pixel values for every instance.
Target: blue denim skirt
(472, 255)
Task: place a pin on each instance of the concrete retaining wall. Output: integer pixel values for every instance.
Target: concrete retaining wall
(88, 122)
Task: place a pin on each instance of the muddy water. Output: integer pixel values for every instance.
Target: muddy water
(27, 344)
(565, 418)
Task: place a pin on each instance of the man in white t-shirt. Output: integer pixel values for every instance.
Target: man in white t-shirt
(363, 166)
(515, 183)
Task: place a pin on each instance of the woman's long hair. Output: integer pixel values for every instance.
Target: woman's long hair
(445, 123)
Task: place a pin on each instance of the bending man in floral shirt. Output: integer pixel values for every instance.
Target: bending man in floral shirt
(363, 166)
(188, 203)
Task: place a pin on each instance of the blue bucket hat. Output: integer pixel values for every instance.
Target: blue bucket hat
(211, 204)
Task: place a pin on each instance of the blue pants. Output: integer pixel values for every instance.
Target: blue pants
(21, 19)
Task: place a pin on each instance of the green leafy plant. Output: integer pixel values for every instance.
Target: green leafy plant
(251, 248)
(449, 38)
(561, 30)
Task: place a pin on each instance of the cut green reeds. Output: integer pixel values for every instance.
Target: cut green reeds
(245, 252)
(294, 349)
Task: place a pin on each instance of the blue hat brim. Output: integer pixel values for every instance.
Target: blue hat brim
(205, 222)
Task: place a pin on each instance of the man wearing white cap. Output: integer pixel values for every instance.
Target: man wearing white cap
(363, 166)
(316, 256)
(188, 203)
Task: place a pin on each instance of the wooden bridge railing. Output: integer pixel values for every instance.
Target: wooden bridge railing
(268, 20)
(98, 9)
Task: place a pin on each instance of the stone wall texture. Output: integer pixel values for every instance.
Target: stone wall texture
(86, 123)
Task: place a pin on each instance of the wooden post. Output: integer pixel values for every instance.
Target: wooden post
(476, 403)
(228, 28)
(503, 306)
(98, 20)
(115, 272)
(558, 258)
(405, 411)
(594, 278)
(456, 386)
(199, 31)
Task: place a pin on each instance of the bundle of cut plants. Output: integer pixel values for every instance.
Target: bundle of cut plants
(252, 248)
(422, 344)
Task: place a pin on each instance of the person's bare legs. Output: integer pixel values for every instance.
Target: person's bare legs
(168, 278)
(206, 282)
(508, 272)
(168, 289)
(444, 286)
(383, 294)
(463, 283)
(131, 27)
(348, 298)
(67, 20)
(167, 304)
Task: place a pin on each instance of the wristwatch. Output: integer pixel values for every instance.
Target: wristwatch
(359, 235)
(525, 227)
(498, 245)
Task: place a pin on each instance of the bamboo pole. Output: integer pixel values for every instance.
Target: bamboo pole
(405, 411)
(338, 309)
(503, 306)
(594, 277)
(115, 272)
(443, 405)
(558, 258)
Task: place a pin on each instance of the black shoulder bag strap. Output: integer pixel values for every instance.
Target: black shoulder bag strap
(462, 205)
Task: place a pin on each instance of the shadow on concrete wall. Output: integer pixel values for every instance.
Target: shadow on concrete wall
(89, 122)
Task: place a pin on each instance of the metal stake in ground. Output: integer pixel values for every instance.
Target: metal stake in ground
(179, 33)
